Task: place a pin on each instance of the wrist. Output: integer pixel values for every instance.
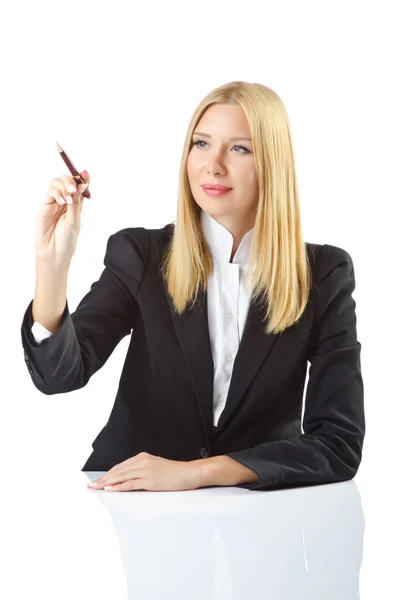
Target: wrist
(223, 470)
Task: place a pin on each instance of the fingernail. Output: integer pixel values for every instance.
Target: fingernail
(71, 188)
(93, 483)
(84, 187)
(108, 487)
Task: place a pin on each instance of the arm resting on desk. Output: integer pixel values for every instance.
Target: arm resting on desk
(223, 470)
(330, 448)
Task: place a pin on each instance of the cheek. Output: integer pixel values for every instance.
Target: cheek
(192, 167)
(250, 179)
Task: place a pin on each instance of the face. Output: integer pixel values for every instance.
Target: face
(217, 158)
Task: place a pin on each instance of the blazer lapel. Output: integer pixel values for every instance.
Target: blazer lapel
(254, 347)
(193, 334)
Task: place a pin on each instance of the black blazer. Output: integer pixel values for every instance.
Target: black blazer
(164, 402)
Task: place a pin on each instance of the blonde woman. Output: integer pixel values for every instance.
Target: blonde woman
(227, 305)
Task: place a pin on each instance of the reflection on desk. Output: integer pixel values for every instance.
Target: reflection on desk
(226, 543)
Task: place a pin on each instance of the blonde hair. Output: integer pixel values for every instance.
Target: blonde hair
(282, 277)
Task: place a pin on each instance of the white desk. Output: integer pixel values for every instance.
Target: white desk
(62, 540)
(224, 543)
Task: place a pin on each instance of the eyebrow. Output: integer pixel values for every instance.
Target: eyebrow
(230, 139)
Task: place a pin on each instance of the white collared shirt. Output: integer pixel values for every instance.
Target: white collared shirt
(227, 303)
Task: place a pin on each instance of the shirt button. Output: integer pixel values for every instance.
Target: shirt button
(220, 398)
(203, 453)
(229, 357)
(229, 316)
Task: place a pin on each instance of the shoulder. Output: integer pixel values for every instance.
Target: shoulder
(128, 249)
(137, 240)
(333, 279)
(326, 258)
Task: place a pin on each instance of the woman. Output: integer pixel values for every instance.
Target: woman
(226, 305)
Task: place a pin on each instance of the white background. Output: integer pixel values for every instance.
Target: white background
(115, 85)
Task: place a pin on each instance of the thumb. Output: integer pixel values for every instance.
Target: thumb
(85, 176)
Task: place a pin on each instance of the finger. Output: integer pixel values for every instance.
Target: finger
(71, 186)
(80, 189)
(68, 183)
(97, 485)
(55, 194)
(111, 472)
(77, 197)
(107, 479)
(123, 470)
(60, 192)
(127, 486)
(116, 477)
(58, 189)
(83, 175)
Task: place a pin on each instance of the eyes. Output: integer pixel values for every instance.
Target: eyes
(202, 142)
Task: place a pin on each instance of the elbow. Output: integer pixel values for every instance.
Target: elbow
(57, 385)
(346, 454)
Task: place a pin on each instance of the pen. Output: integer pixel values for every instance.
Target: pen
(76, 175)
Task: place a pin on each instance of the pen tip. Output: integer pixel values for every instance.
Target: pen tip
(59, 147)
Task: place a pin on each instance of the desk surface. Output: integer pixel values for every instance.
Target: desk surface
(218, 543)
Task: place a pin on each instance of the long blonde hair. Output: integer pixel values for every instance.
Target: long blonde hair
(282, 276)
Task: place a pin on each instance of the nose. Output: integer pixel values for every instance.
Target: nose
(215, 167)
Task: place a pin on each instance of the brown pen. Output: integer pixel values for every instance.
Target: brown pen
(76, 175)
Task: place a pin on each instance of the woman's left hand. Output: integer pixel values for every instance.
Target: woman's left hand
(147, 472)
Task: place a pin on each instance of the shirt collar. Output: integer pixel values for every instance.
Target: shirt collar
(220, 240)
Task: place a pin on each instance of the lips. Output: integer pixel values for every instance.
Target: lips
(208, 186)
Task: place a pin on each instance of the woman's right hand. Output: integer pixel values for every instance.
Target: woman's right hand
(58, 223)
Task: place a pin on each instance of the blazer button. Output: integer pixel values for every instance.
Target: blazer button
(203, 453)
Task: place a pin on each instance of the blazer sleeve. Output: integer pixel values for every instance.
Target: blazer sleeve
(330, 449)
(87, 337)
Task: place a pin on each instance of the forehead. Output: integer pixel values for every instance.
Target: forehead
(224, 120)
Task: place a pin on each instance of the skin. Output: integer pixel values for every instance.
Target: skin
(149, 472)
(219, 160)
